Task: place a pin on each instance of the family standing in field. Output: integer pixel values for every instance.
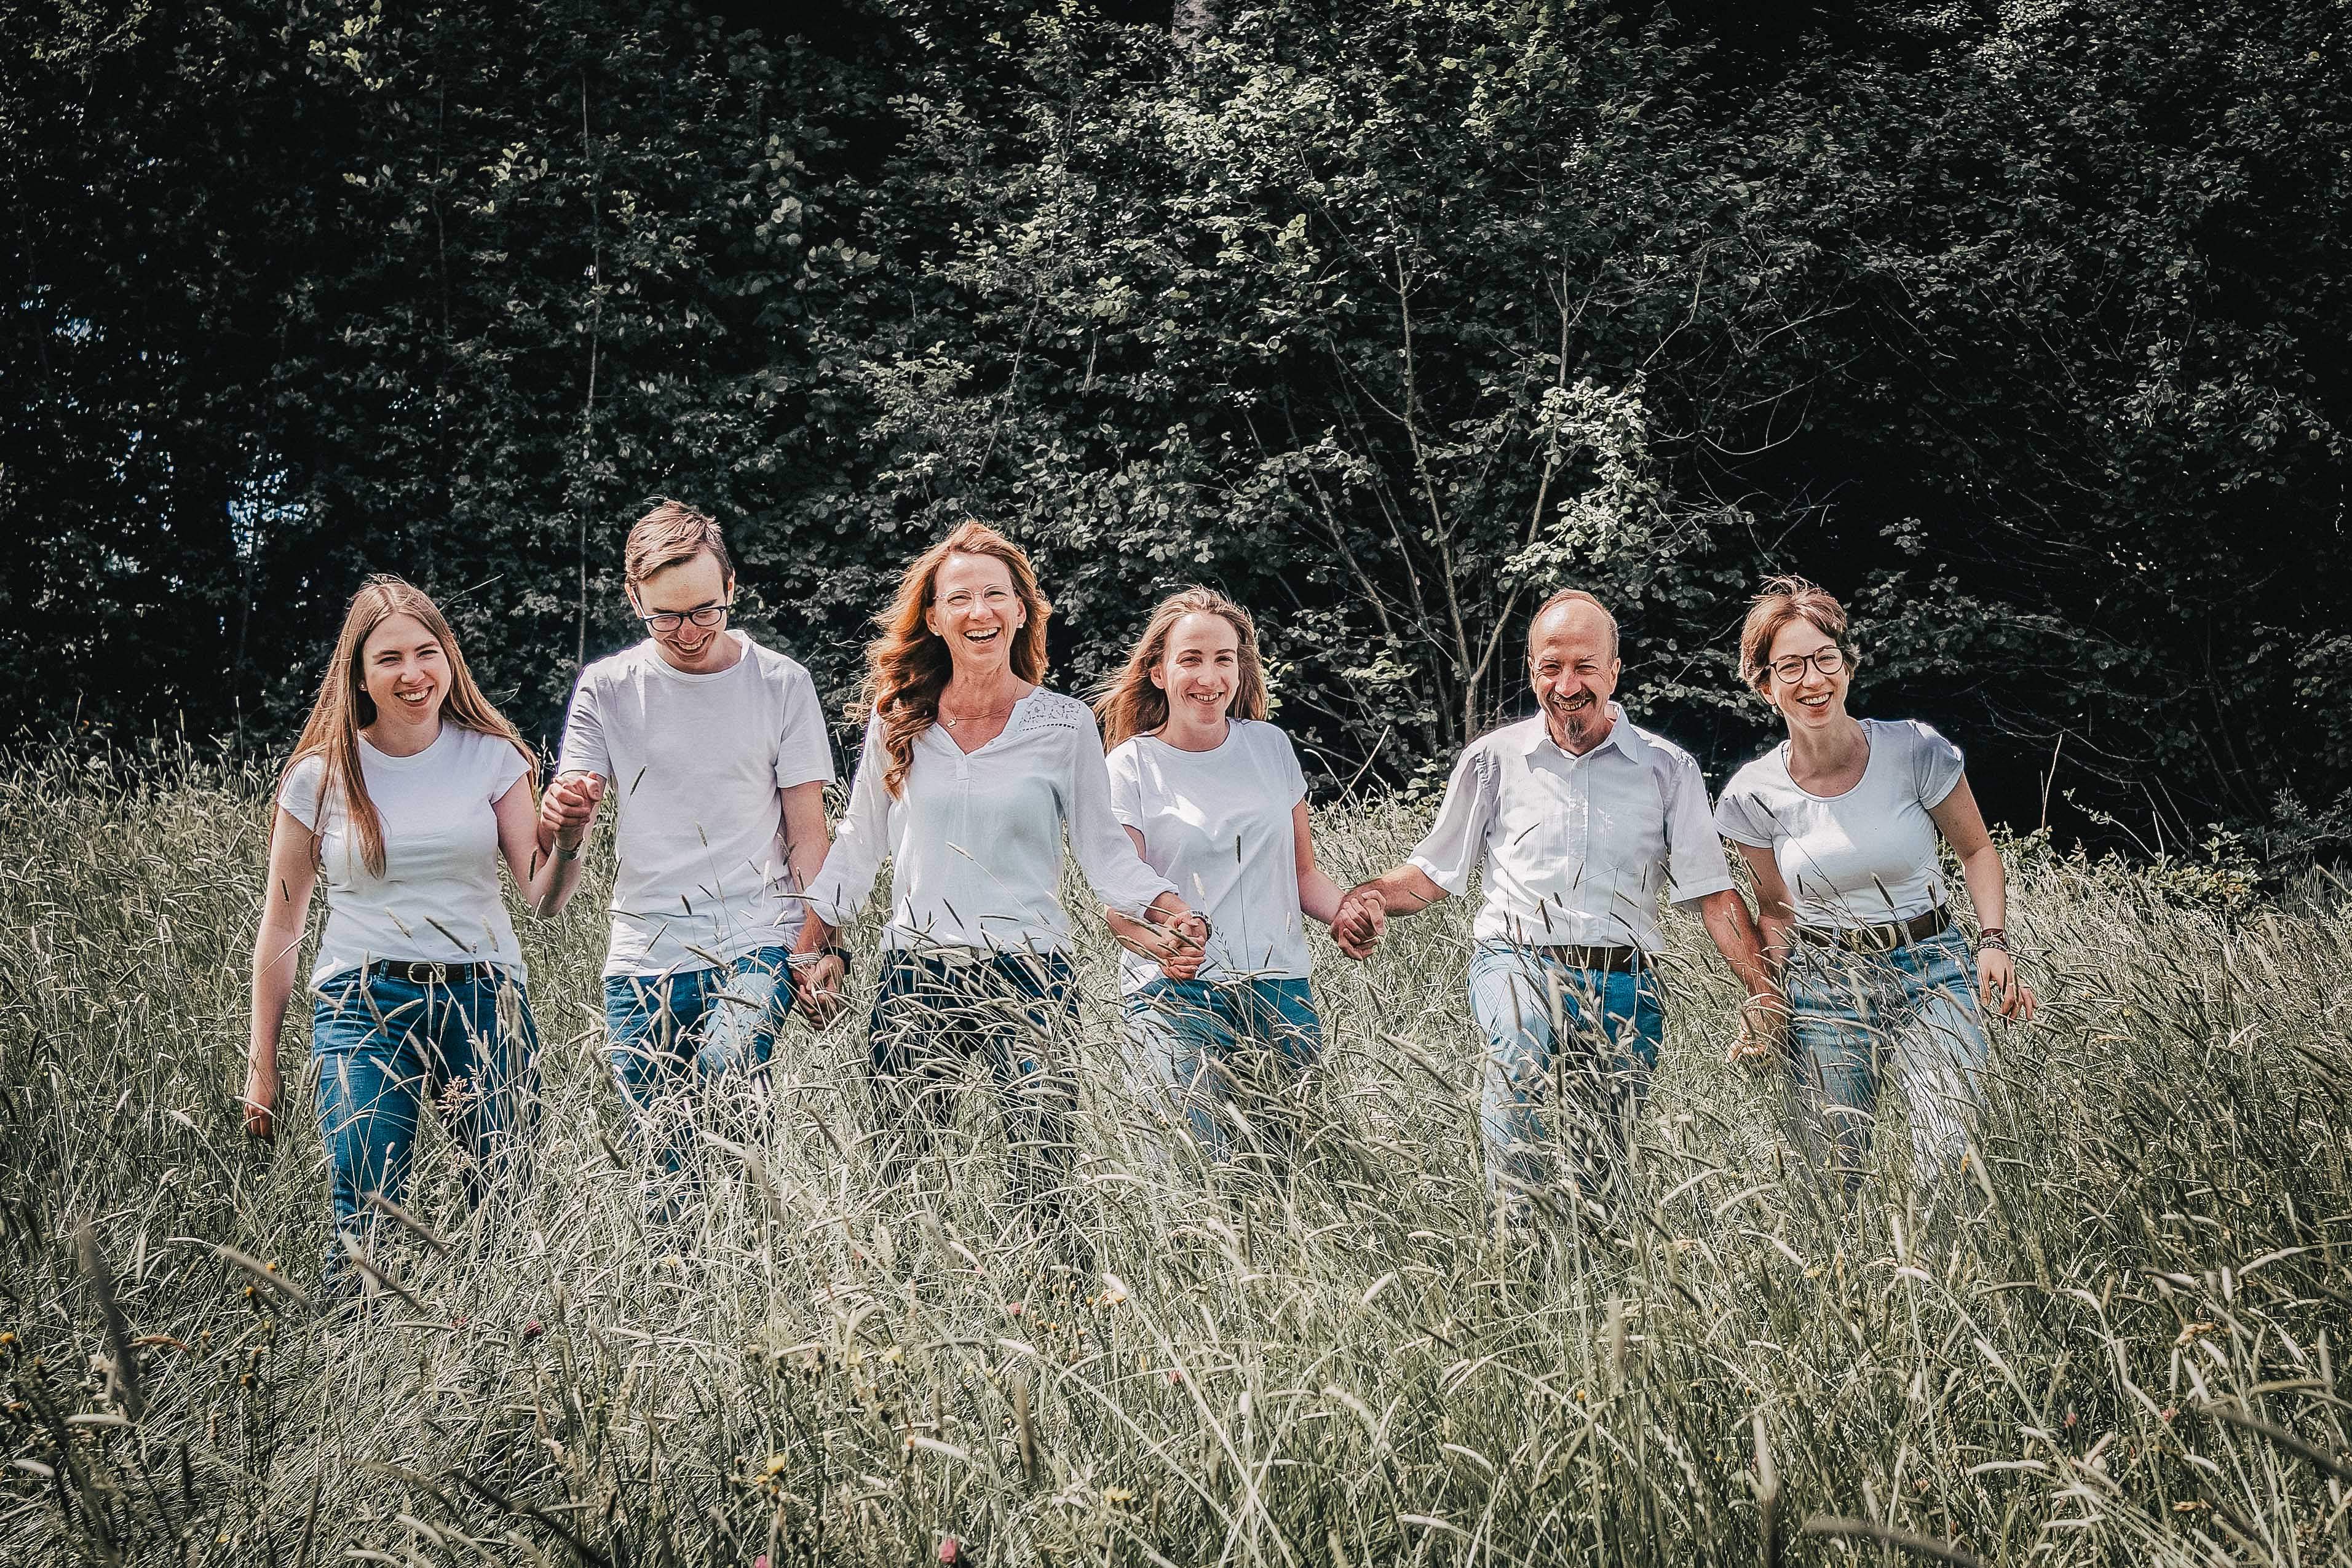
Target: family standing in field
(1187, 813)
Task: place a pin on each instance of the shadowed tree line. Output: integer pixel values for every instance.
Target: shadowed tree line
(2022, 327)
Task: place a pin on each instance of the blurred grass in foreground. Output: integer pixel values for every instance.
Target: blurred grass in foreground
(2115, 1341)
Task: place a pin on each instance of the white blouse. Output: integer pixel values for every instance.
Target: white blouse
(975, 842)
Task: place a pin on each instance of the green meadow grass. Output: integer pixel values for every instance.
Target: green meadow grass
(2113, 1341)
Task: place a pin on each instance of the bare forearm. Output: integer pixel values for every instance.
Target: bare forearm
(1988, 882)
(815, 934)
(1319, 897)
(1407, 891)
(552, 884)
(1134, 935)
(275, 955)
(1736, 937)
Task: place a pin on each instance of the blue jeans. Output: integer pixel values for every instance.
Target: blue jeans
(1855, 1018)
(386, 1048)
(1586, 1038)
(1011, 1010)
(671, 1037)
(1194, 1035)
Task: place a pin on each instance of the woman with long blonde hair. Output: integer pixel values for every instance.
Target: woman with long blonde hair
(1215, 801)
(971, 775)
(403, 792)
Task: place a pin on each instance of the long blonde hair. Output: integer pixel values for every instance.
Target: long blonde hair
(907, 666)
(345, 708)
(1130, 704)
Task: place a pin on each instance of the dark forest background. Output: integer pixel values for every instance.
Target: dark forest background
(2025, 327)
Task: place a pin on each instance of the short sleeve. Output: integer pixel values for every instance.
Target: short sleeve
(1456, 841)
(502, 763)
(804, 748)
(1935, 765)
(1741, 816)
(1126, 769)
(1294, 777)
(584, 750)
(298, 794)
(1694, 865)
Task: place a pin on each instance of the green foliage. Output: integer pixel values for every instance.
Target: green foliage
(2021, 327)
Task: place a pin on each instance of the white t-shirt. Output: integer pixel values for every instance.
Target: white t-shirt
(695, 768)
(438, 899)
(1218, 825)
(1863, 857)
(975, 841)
(1576, 850)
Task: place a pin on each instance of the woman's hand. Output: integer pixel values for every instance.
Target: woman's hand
(567, 807)
(2003, 991)
(261, 1098)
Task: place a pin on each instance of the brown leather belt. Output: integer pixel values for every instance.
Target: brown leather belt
(1615, 959)
(1884, 938)
(427, 973)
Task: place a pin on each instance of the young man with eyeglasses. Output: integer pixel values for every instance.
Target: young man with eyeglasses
(716, 754)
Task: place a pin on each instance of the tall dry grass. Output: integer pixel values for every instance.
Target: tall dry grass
(2115, 1342)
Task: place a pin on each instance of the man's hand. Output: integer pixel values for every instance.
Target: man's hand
(820, 987)
(1361, 920)
(260, 1099)
(567, 807)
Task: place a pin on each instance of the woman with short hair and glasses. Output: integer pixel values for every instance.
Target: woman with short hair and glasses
(971, 775)
(1839, 823)
(405, 792)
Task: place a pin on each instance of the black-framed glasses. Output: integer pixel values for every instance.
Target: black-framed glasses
(701, 616)
(1829, 660)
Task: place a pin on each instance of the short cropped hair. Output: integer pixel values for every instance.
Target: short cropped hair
(1575, 597)
(1781, 600)
(672, 534)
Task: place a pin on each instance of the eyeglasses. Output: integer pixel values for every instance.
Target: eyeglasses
(701, 616)
(1829, 660)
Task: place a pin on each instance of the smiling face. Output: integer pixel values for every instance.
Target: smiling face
(1200, 669)
(405, 672)
(1573, 667)
(1812, 701)
(975, 611)
(694, 585)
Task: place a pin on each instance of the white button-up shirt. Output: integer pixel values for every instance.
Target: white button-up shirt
(1577, 849)
(975, 842)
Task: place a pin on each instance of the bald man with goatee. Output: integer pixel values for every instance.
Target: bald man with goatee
(1581, 819)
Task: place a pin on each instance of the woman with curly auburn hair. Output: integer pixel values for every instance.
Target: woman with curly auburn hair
(970, 774)
(405, 792)
(1839, 823)
(1215, 801)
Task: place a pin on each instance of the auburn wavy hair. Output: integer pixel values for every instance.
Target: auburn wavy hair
(907, 666)
(345, 708)
(1130, 704)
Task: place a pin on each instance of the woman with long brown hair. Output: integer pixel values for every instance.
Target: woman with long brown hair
(970, 774)
(1215, 801)
(404, 791)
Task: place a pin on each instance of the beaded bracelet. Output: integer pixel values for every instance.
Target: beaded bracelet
(1992, 939)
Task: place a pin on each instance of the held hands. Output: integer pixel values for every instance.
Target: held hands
(1763, 1031)
(1359, 922)
(819, 984)
(1181, 945)
(567, 807)
(2001, 990)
